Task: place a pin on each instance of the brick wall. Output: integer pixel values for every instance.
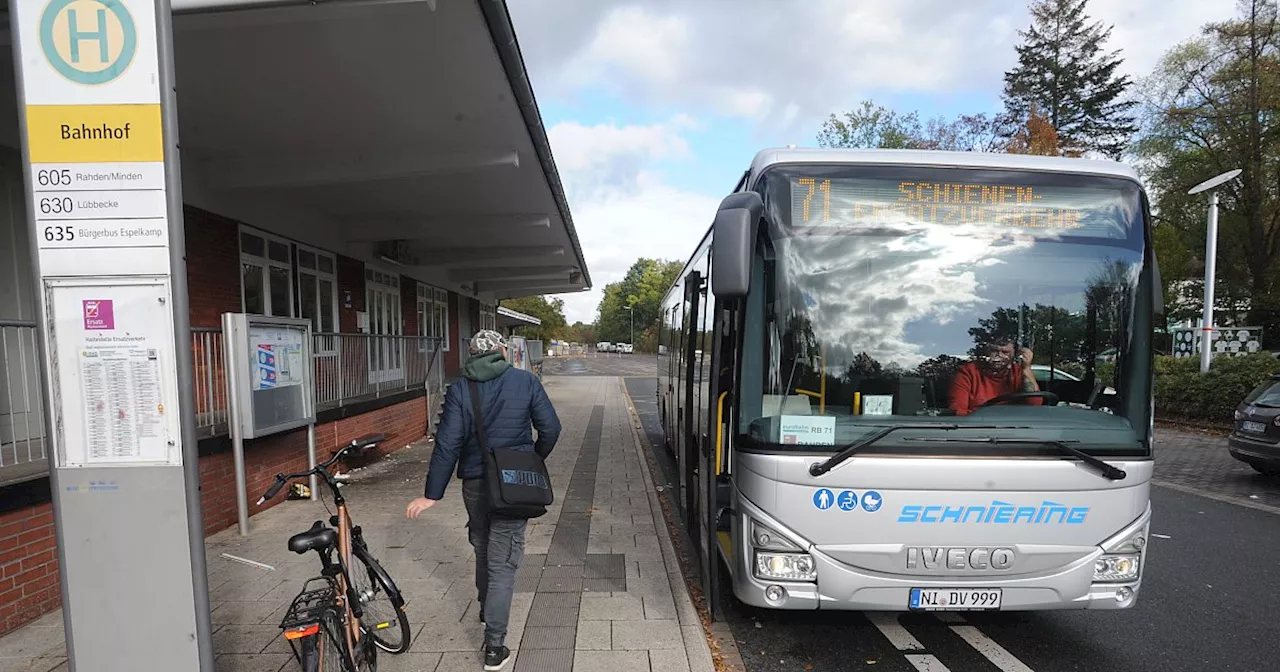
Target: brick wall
(29, 582)
(213, 266)
(403, 424)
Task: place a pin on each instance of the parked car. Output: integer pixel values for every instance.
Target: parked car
(626, 348)
(1256, 437)
(1041, 373)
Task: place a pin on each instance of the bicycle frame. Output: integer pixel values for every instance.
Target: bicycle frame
(337, 575)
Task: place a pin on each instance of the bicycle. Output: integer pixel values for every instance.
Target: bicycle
(336, 619)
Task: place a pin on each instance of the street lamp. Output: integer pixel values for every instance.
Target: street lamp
(1210, 260)
(632, 313)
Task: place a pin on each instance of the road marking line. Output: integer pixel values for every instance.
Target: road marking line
(926, 662)
(950, 617)
(992, 651)
(888, 625)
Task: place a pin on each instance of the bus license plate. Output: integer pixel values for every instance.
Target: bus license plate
(1255, 427)
(955, 599)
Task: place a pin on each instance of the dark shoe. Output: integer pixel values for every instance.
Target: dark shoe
(496, 657)
(482, 614)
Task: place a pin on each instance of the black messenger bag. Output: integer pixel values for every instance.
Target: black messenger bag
(517, 480)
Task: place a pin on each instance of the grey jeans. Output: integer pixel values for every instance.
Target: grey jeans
(499, 544)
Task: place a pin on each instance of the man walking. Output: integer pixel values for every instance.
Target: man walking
(511, 400)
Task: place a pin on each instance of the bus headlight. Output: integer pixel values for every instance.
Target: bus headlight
(1116, 567)
(786, 566)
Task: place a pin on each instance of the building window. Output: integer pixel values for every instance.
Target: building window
(441, 319)
(386, 345)
(266, 280)
(488, 316)
(318, 289)
(433, 316)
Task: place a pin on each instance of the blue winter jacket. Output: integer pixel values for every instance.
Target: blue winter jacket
(513, 402)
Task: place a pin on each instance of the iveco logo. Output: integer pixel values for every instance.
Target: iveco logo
(935, 557)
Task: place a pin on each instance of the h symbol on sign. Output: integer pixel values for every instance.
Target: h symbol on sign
(100, 35)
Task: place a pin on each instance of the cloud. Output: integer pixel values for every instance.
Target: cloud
(786, 65)
(622, 207)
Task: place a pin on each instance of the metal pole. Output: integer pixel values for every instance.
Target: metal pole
(311, 459)
(182, 328)
(230, 338)
(1210, 264)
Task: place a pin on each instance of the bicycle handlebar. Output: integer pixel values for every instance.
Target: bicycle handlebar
(282, 479)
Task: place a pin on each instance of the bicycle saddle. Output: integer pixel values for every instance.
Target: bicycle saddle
(316, 538)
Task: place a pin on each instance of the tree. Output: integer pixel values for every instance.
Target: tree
(872, 126)
(1036, 135)
(1063, 71)
(550, 311)
(1212, 103)
(642, 289)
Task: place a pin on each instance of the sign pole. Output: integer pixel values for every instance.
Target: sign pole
(99, 135)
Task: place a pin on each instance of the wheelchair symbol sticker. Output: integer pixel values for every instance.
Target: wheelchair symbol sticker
(847, 501)
(823, 499)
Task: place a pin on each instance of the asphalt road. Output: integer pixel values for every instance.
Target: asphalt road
(1207, 603)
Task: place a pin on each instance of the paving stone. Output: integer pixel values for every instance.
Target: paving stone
(559, 637)
(659, 608)
(1202, 462)
(560, 584)
(613, 661)
(556, 600)
(259, 662)
(637, 635)
(594, 636)
(662, 660)
(545, 660)
(552, 616)
(626, 608)
(604, 585)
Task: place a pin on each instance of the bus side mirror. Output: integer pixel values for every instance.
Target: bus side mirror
(733, 234)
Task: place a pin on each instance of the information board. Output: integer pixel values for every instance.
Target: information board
(269, 378)
(114, 377)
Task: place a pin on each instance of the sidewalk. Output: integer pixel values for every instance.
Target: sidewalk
(599, 588)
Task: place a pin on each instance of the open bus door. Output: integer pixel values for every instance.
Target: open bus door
(700, 433)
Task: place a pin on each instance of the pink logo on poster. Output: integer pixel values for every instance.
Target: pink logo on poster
(99, 314)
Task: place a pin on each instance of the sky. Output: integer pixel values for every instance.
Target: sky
(655, 108)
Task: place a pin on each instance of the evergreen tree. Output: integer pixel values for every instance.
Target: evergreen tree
(1064, 73)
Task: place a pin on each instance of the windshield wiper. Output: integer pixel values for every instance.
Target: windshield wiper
(1108, 471)
(820, 468)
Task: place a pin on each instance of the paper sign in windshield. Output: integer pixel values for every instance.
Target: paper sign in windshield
(808, 430)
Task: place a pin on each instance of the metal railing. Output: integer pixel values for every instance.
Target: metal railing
(348, 368)
(210, 392)
(22, 430)
(355, 367)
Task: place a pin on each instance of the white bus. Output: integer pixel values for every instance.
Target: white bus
(846, 388)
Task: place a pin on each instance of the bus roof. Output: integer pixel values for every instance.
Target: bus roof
(775, 156)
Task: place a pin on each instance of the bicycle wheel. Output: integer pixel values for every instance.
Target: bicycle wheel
(326, 651)
(384, 619)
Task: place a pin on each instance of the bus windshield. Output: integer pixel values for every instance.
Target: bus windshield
(905, 294)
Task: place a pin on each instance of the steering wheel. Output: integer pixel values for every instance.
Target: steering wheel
(1050, 398)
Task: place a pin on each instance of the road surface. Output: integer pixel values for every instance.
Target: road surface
(1207, 601)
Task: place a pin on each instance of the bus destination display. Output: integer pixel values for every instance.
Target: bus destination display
(847, 203)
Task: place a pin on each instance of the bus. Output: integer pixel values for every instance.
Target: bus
(903, 380)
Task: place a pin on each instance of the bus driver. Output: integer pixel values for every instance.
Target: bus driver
(992, 374)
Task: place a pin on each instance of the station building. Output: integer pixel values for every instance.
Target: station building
(378, 168)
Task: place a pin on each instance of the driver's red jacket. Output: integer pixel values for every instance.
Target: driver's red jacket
(972, 387)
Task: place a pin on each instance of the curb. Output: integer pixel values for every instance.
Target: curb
(697, 648)
(1186, 489)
